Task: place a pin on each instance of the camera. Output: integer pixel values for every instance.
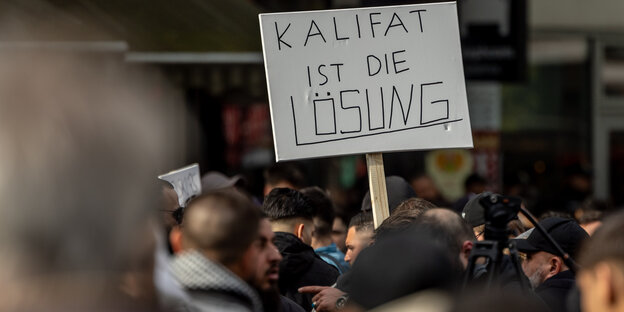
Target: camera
(499, 211)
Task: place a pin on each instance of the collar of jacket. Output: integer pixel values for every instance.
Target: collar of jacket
(196, 272)
(289, 243)
(297, 256)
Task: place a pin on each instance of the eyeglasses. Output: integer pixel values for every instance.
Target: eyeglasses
(522, 256)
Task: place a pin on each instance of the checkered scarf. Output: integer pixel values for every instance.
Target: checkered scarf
(196, 272)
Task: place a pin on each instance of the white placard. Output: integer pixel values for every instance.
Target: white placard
(186, 182)
(365, 80)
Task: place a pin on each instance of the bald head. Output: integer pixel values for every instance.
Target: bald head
(442, 215)
(220, 224)
(450, 220)
(449, 225)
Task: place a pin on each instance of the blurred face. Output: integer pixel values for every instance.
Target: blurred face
(537, 267)
(281, 184)
(267, 258)
(479, 232)
(355, 242)
(591, 292)
(339, 234)
(425, 188)
(591, 227)
(602, 287)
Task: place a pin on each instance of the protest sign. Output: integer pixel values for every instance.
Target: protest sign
(186, 182)
(365, 80)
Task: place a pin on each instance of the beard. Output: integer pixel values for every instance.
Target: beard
(271, 300)
(537, 277)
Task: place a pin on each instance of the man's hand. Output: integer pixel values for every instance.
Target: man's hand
(325, 298)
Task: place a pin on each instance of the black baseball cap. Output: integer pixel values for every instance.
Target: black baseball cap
(566, 232)
(398, 190)
(474, 212)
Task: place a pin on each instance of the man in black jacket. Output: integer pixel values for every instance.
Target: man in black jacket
(546, 270)
(292, 221)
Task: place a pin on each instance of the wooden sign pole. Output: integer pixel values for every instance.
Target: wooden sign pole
(377, 185)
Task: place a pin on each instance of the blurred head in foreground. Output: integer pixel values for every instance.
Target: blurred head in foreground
(81, 143)
(601, 279)
(400, 264)
(508, 300)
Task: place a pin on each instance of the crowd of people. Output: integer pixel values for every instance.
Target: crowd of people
(289, 251)
(78, 200)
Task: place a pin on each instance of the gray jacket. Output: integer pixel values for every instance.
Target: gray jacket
(211, 286)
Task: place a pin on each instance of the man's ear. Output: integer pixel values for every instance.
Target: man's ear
(299, 230)
(464, 254)
(467, 248)
(556, 266)
(175, 239)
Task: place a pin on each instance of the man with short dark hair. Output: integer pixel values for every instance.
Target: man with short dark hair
(289, 212)
(413, 206)
(292, 221)
(359, 235)
(404, 215)
(544, 266)
(221, 250)
(339, 229)
(323, 221)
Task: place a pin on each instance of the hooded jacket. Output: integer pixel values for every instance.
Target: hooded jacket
(211, 286)
(554, 291)
(301, 266)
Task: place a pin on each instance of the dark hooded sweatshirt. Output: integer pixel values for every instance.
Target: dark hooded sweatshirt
(301, 266)
(554, 291)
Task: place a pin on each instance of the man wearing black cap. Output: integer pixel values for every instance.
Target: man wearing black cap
(544, 266)
(474, 213)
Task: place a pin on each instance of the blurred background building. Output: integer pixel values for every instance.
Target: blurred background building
(545, 83)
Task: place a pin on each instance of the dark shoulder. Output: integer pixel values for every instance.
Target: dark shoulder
(325, 269)
(290, 306)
